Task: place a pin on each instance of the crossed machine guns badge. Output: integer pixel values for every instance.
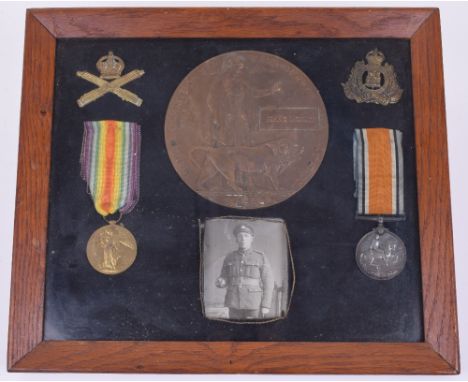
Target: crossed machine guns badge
(373, 82)
(110, 81)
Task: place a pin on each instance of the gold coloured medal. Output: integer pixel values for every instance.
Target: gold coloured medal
(111, 249)
(110, 165)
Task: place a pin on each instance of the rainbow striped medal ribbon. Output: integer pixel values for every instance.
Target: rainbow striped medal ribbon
(378, 176)
(110, 165)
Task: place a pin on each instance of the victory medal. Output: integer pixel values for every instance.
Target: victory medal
(110, 165)
(111, 249)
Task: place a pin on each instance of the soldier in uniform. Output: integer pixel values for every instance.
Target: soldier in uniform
(247, 275)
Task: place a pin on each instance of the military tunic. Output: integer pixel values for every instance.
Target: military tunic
(248, 278)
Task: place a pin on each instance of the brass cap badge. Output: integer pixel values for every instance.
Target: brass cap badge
(110, 81)
(110, 66)
(374, 82)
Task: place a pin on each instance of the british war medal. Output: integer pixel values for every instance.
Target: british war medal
(378, 173)
(110, 165)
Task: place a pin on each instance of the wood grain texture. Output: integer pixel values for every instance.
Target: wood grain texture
(27, 351)
(435, 221)
(32, 191)
(233, 22)
(235, 357)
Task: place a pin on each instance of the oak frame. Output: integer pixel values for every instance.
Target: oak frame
(437, 354)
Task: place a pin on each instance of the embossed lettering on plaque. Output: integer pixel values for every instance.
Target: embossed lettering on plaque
(246, 129)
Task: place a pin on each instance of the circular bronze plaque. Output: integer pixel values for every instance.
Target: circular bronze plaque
(111, 249)
(246, 129)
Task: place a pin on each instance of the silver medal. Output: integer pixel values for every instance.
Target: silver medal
(380, 254)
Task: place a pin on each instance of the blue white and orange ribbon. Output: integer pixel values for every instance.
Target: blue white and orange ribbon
(110, 164)
(378, 171)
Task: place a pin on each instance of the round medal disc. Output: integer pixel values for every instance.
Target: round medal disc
(246, 129)
(380, 254)
(111, 249)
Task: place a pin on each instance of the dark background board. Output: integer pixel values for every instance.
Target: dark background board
(158, 297)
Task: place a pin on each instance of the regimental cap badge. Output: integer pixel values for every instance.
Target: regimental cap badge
(110, 80)
(110, 66)
(243, 228)
(374, 82)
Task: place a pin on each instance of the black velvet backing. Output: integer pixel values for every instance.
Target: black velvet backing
(158, 297)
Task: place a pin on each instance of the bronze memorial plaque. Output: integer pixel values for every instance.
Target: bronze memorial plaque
(246, 129)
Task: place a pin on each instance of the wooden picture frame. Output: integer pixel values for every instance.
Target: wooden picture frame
(28, 351)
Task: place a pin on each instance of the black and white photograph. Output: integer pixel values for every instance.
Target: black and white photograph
(245, 265)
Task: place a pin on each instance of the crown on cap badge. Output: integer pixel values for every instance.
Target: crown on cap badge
(110, 80)
(110, 66)
(374, 82)
(374, 57)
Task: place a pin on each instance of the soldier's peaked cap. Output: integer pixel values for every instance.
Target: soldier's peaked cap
(243, 228)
